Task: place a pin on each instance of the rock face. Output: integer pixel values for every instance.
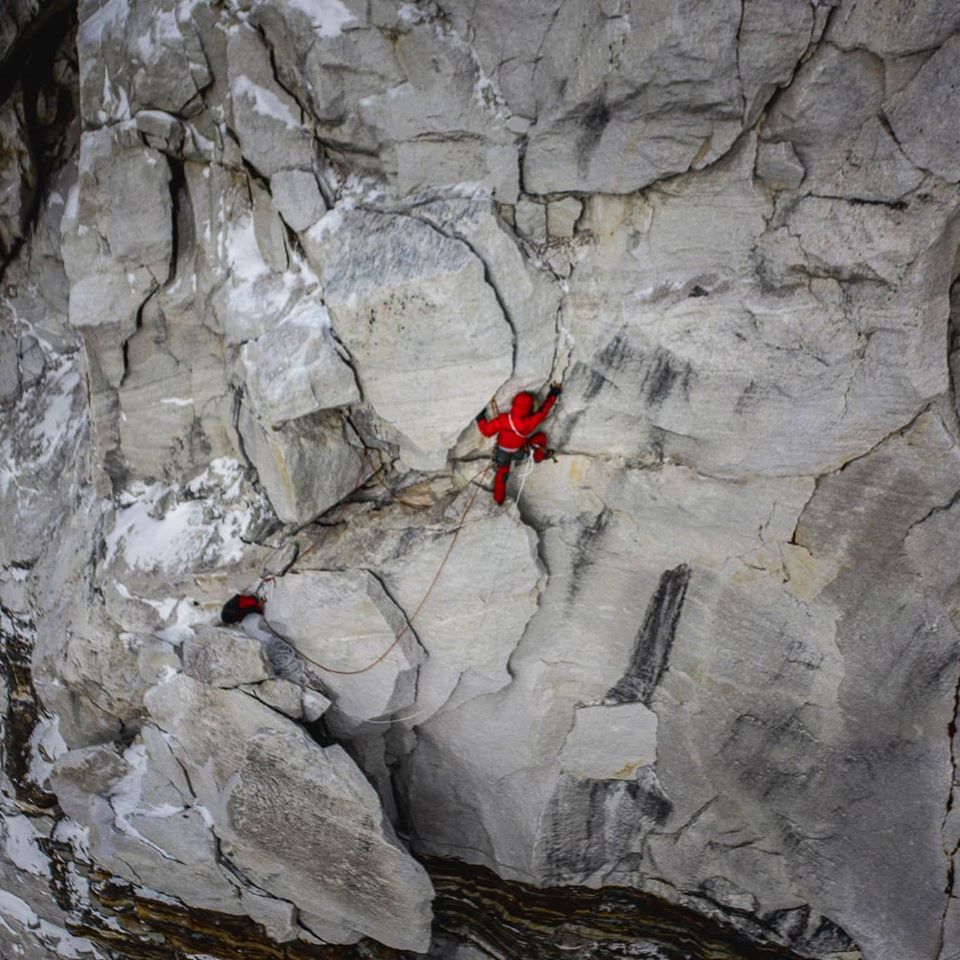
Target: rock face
(263, 264)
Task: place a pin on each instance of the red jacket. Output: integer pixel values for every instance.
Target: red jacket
(515, 427)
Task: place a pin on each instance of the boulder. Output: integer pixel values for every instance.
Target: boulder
(345, 621)
(306, 465)
(562, 217)
(429, 341)
(298, 198)
(281, 695)
(610, 742)
(296, 368)
(531, 220)
(224, 658)
(779, 166)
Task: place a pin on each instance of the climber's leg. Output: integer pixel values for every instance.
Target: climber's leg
(500, 483)
(539, 444)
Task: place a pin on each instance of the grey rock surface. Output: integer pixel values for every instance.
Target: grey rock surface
(395, 288)
(306, 465)
(253, 296)
(346, 621)
(224, 658)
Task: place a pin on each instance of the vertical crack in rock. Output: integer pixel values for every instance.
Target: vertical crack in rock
(406, 617)
(651, 651)
(487, 276)
(950, 852)
(953, 347)
(181, 217)
(743, 96)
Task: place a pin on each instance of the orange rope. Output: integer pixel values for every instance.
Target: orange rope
(433, 583)
(482, 474)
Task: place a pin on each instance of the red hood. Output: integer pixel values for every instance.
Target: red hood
(522, 404)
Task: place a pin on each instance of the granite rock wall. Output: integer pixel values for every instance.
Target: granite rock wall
(262, 265)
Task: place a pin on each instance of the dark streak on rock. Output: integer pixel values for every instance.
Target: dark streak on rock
(608, 360)
(590, 824)
(651, 651)
(589, 539)
(592, 123)
(663, 374)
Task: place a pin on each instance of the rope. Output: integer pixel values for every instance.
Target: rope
(514, 506)
(376, 474)
(409, 622)
(423, 600)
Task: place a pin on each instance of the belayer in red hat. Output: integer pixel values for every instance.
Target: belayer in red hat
(517, 434)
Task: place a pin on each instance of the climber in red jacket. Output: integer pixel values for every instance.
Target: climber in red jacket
(515, 435)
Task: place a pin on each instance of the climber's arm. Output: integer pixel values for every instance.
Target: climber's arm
(487, 427)
(536, 418)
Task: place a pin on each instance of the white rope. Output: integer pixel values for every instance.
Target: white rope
(523, 480)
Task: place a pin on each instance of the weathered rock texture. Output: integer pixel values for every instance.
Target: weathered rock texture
(263, 263)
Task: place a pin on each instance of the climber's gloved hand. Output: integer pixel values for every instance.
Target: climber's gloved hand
(555, 389)
(482, 415)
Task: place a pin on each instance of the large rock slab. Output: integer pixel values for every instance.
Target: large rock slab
(330, 853)
(296, 369)
(610, 742)
(345, 621)
(143, 825)
(646, 362)
(929, 138)
(306, 465)
(472, 599)
(528, 297)
(399, 294)
(116, 229)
